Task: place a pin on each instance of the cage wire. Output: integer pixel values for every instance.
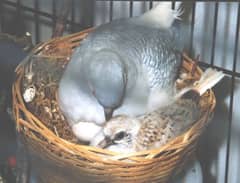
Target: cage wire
(214, 36)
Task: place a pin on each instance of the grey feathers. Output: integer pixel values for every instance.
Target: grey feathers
(120, 68)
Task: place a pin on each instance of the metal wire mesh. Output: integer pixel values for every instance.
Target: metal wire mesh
(73, 25)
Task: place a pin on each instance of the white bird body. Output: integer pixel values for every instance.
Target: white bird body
(88, 103)
(152, 18)
(121, 68)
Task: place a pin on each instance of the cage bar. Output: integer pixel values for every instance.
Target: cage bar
(150, 4)
(233, 79)
(214, 33)
(35, 11)
(73, 25)
(111, 10)
(1, 15)
(192, 27)
(130, 8)
(226, 71)
(36, 20)
(173, 4)
(54, 12)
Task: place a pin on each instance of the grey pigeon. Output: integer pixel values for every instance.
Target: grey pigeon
(126, 67)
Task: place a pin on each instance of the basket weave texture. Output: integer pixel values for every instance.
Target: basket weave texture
(57, 160)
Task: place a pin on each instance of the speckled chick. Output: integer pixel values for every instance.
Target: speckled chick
(126, 134)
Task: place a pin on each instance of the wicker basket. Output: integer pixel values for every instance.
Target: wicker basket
(58, 160)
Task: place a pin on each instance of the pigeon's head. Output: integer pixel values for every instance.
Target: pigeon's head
(106, 77)
(120, 130)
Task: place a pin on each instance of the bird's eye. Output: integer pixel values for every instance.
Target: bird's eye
(120, 135)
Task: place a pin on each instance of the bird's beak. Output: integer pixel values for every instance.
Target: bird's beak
(108, 113)
(105, 142)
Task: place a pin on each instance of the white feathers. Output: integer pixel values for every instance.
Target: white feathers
(86, 131)
(120, 148)
(97, 139)
(158, 98)
(162, 16)
(29, 94)
(80, 108)
(208, 80)
(73, 106)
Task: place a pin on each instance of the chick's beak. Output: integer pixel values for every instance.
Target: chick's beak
(105, 142)
(108, 112)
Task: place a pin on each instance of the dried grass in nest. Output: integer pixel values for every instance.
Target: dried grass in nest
(47, 72)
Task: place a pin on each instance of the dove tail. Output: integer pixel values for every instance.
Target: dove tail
(163, 15)
(208, 80)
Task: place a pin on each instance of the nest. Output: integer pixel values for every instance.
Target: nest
(57, 155)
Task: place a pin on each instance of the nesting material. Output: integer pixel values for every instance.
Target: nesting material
(39, 88)
(56, 154)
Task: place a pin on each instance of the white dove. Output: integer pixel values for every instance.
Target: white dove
(121, 68)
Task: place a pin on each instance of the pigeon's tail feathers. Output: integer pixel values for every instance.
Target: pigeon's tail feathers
(162, 16)
(207, 81)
